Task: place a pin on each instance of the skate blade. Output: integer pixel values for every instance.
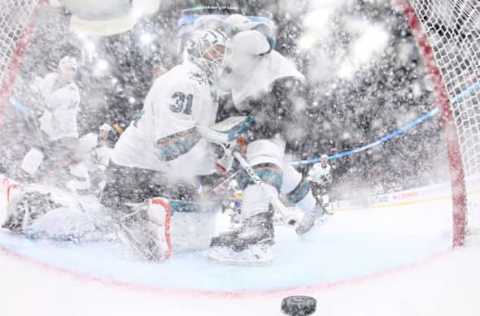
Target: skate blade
(218, 257)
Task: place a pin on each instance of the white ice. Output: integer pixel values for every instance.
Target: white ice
(377, 261)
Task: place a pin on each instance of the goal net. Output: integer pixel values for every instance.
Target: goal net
(16, 26)
(448, 35)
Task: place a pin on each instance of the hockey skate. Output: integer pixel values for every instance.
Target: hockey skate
(306, 224)
(251, 244)
(147, 230)
(309, 219)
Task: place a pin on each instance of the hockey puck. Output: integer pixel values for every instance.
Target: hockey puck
(299, 305)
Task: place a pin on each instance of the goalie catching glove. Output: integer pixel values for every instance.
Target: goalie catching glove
(225, 134)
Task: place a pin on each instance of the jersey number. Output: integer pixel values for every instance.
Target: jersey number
(182, 103)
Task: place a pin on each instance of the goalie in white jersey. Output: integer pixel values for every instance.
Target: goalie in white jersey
(163, 151)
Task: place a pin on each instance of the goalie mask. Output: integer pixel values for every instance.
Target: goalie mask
(207, 50)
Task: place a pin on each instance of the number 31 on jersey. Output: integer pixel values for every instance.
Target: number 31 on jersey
(181, 103)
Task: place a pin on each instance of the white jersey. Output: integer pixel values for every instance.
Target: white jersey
(178, 101)
(251, 78)
(59, 120)
(255, 76)
(266, 70)
(321, 174)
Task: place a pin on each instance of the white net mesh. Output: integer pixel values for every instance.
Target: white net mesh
(453, 31)
(15, 18)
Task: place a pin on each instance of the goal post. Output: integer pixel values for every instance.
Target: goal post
(448, 36)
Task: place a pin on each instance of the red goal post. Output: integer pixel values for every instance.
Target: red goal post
(448, 36)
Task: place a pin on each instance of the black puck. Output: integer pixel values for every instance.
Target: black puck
(299, 305)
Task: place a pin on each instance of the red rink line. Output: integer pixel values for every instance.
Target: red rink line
(244, 294)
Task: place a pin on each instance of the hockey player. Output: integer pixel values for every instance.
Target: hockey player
(320, 176)
(163, 151)
(59, 100)
(268, 86)
(56, 157)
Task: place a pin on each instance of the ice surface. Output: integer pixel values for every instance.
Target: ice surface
(387, 261)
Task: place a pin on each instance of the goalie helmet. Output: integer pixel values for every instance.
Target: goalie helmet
(207, 49)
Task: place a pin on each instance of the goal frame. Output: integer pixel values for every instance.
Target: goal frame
(456, 166)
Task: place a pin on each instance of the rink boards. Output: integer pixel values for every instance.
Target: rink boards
(441, 192)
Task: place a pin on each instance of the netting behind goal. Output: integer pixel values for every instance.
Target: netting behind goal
(453, 29)
(16, 23)
(448, 33)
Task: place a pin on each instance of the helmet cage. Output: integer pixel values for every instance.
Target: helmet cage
(207, 49)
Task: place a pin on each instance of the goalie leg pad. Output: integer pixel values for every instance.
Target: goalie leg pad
(160, 218)
(147, 230)
(26, 207)
(256, 199)
(165, 228)
(266, 158)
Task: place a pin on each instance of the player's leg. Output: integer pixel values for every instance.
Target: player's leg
(26, 204)
(124, 195)
(299, 193)
(31, 203)
(143, 202)
(316, 192)
(325, 200)
(251, 243)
